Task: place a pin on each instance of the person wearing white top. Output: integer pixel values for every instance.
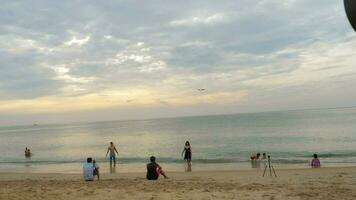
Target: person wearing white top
(90, 169)
(264, 160)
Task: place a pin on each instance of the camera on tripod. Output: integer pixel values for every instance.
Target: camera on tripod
(270, 166)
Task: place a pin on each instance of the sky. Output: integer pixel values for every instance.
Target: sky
(85, 60)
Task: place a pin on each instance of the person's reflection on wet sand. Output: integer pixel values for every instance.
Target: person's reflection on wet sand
(112, 169)
(188, 167)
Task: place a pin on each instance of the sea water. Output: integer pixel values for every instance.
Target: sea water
(218, 142)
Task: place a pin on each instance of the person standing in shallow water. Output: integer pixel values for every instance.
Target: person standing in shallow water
(187, 151)
(27, 152)
(113, 151)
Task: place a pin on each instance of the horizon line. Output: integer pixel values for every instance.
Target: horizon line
(35, 123)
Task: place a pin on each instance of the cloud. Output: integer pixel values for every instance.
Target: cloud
(208, 20)
(117, 98)
(317, 62)
(98, 55)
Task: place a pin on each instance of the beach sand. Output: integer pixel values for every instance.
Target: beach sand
(323, 183)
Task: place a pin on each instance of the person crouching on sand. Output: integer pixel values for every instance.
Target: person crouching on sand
(154, 170)
(315, 163)
(90, 170)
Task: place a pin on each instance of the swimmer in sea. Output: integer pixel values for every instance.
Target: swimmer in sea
(27, 152)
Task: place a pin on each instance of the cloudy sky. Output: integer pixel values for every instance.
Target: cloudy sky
(83, 60)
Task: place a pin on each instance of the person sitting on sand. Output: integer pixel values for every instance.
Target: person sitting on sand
(154, 170)
(90, 169)
(315, 163)
(112, 149)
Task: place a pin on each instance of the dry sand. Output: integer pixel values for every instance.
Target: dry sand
(323, 183)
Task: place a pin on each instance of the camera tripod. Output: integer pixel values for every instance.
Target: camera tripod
(270, 166)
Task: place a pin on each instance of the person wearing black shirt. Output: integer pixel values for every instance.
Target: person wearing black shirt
(154, 170)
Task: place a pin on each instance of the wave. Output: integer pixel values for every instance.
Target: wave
(119, 160)
(339, 155)
(309, 155)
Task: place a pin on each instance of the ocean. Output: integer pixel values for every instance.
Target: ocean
(219, 142)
